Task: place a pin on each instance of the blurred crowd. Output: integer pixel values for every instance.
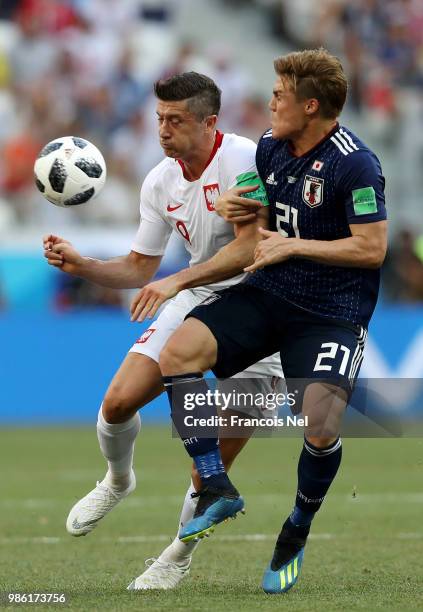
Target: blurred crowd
(381, 40)
(78, 67)
(87, 68)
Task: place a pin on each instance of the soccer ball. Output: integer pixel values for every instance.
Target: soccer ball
(70, 171)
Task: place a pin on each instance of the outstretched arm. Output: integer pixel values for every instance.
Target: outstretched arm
(228, 262)
(365, 248)
(126, 272)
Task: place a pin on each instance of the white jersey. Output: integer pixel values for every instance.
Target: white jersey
(170, 202)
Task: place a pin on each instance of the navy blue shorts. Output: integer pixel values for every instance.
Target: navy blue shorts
(250, 324)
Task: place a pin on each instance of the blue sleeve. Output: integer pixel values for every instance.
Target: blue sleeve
(360, 188)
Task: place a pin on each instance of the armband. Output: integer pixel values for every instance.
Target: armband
(248, 179)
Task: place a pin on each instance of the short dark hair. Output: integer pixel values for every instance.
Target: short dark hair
(315, 73)
(202, 94)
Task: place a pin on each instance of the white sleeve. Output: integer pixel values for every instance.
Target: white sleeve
(153, 232)
(239, 158)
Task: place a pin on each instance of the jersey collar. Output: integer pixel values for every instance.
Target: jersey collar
(328, 135)
(217, 143)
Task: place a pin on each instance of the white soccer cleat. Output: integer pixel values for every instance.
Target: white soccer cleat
(86, 513)
(163, 575)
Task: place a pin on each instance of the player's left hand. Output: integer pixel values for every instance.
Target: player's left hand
(234, 208)
(149, 299)
(274, 248)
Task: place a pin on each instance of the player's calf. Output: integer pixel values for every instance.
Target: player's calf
(219, 499)
(317, 467)
(117, 445)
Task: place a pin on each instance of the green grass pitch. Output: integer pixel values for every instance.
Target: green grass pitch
(366, 551)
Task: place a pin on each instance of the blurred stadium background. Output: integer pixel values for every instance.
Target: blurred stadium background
(87, 68)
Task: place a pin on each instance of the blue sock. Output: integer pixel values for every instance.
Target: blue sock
(204, 450)
(299, 518)
(209, 464)
(317, 467)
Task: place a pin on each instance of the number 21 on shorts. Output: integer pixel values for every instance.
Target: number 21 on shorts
(331, 353)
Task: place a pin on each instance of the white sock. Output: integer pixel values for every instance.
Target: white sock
(178, 551)
(117, 441)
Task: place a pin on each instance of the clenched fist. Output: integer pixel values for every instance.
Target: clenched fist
(61, 254)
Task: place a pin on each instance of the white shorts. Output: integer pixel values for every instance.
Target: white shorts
(172, 316)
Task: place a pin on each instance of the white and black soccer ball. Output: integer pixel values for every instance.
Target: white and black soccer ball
(70, 171)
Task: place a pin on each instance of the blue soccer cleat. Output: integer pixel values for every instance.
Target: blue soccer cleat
(215, 506)
(284, 569)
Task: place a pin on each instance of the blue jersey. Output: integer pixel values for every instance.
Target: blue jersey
(316, 197)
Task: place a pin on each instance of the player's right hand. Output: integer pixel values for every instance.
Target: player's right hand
(232, 207)
(61, 254)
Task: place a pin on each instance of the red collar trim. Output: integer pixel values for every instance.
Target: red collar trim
(217, 144)
(328, 135)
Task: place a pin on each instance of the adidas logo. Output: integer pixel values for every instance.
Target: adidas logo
(271, 179)
(292, 179)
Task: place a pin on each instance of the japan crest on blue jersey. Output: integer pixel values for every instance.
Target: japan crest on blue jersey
(313, 190)
(318, 196)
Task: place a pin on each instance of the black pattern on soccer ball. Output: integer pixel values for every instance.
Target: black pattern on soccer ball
(89, 166)
(79, 198)
(57, 176)
(52, 146)
(40, 185)
(79, 142)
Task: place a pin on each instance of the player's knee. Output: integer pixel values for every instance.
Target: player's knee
(117, 408)
(192, 348)
(320, 442)
(172, 359)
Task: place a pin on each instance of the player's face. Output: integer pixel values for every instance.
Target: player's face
(180, 131)
(288, 114)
